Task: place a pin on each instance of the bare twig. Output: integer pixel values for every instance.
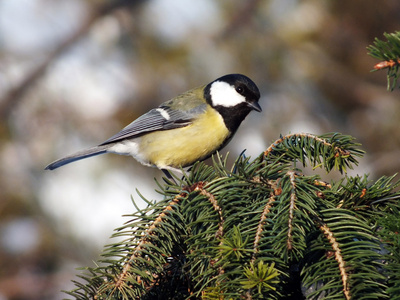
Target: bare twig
(14, 95)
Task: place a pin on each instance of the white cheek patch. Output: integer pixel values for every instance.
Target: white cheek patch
(163, 113)
(224, 94)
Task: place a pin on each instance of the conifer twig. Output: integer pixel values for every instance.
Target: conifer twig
(387, 64)
(146, 238)
(200, 188)
(270, 149)
(293, 199)
(260, 226)
(322, 183)
(338, 257)
(274, 213)
(388, 52)
(330, 151)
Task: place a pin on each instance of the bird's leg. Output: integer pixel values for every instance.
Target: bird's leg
(168, 175)
(241, 156)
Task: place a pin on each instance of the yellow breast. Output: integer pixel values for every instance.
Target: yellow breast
(184, 146)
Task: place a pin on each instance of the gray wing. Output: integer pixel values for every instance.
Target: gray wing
(168, 115)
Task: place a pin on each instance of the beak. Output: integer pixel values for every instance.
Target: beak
(254, 105)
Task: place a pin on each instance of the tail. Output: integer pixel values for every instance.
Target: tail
(78, 156)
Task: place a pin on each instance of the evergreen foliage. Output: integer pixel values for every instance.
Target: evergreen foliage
(261, 230)
(389, 52)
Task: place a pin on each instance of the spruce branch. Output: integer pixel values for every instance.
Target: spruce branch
(292, 207)
(388, 231)
(330, 151)
(260, 229)
(261, 224)
(338, 257)
(200, 188)
(389, 53)
(145, 241)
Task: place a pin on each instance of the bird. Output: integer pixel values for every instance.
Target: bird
(186, 129)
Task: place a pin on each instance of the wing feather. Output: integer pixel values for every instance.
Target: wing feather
(172, 114)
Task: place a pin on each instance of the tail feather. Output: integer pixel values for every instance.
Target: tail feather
(78, 156)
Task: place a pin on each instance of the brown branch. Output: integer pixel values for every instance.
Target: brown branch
(260, 227)
(387, 64)
(14, 95)
(322, 183)
(219, 234)
(216, 207)
(338, 257)
(292, 207)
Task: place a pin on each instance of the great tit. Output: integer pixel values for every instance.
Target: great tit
(184, 130)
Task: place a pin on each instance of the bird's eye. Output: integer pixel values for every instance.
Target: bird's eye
(240, 90)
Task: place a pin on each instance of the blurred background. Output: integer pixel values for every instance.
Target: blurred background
(74, 72)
